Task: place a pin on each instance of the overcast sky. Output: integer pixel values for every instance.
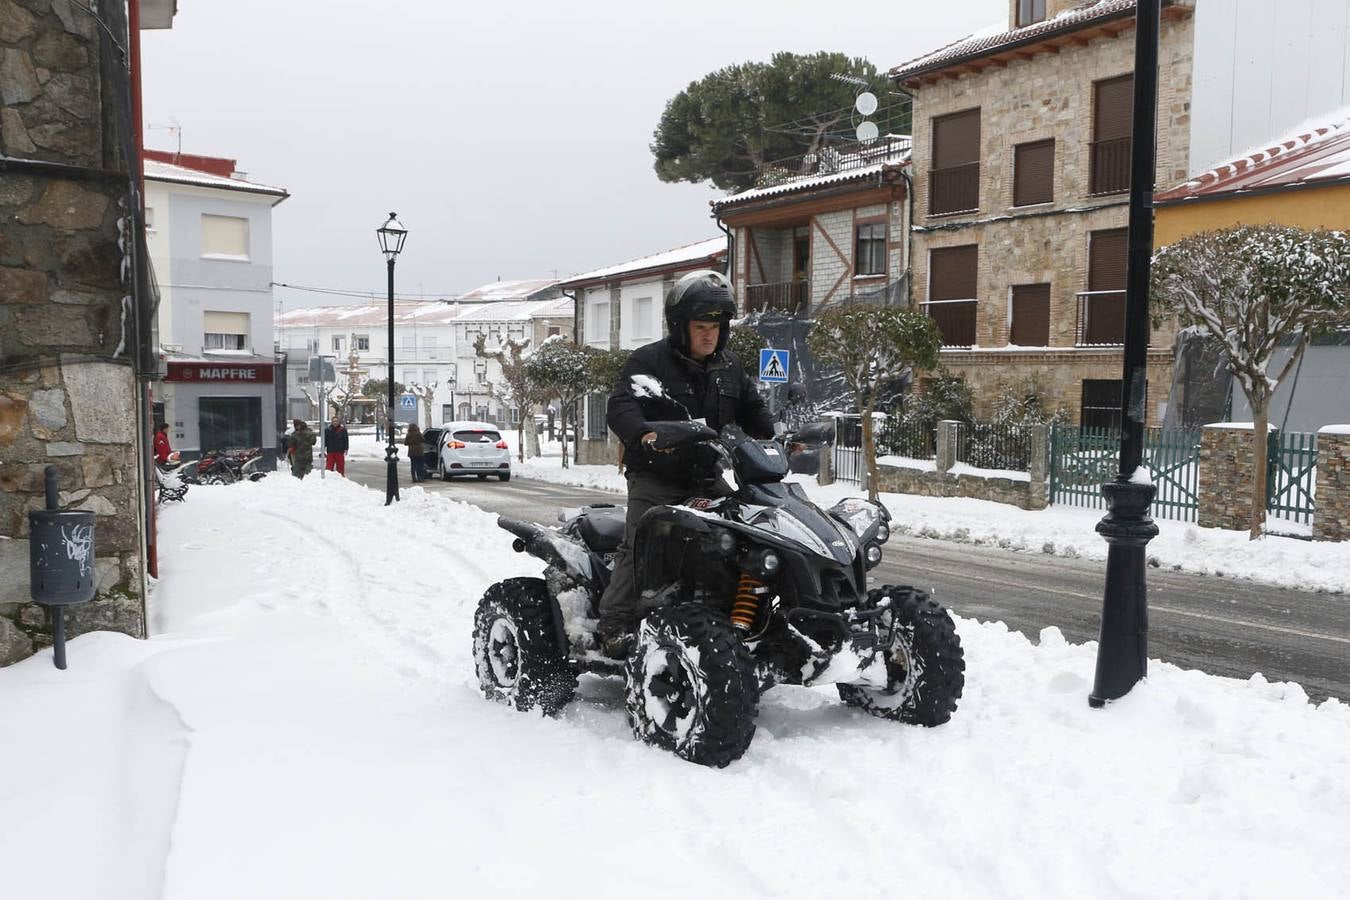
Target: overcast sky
(511, 137)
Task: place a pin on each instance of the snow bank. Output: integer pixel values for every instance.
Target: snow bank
(305, 724)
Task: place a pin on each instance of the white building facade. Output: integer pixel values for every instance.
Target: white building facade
(209, 233)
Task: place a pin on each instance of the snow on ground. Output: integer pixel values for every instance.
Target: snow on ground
(305, 723)
(1058, 530)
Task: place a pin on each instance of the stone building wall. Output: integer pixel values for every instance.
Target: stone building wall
(1331, 516)
(831, 257)
(1047, 96)
(69, 394)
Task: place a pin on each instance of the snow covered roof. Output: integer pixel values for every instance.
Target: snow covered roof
(156, 170)
(1315, 152)
(422, 312)
(999, 38)
(686, 255)
(519, 289)
(898, 156)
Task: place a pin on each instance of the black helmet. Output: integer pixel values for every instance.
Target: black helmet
(699, 296)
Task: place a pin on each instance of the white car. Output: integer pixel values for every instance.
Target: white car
(473, 448)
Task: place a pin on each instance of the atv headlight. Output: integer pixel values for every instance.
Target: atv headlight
(872, 555)
(883, 533)
(726, 542)
(769, 562)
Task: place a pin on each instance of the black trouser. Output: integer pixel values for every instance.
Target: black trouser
(618, 605)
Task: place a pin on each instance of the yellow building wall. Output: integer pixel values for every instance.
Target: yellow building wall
(1327, 207)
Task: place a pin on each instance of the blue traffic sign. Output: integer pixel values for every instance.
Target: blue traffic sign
(408, 401)
(773, 366)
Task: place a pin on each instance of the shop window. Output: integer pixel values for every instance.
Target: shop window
(228, 423)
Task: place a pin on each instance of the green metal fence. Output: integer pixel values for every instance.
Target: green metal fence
(1081, 459)
(1291, 470)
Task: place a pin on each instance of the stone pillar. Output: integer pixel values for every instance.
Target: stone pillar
(948, 432)
(1331, 516)
(826, 473)
(1227, 468)
(1038, 497)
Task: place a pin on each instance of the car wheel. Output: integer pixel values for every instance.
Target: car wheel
(505, 476)
(482, 478)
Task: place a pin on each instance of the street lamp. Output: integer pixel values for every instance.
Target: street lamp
(391, 234)
(1122, 651)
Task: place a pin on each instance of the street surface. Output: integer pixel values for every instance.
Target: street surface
(1218, 625)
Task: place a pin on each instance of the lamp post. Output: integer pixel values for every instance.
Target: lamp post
(1122, 651)
(391, 234)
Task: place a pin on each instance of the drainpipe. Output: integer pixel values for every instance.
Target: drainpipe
(731, 250)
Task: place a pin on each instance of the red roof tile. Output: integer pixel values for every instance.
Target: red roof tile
(1316, 152)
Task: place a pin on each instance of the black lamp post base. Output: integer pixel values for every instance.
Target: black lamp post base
(391, 478)
(1122, 650)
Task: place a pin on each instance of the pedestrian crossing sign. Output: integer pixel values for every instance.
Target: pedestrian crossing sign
(773, 366)
(408, 401)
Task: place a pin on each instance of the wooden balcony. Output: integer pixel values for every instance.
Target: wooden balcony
(1111, 166)
(1101, 319)
(792, 298)
(956, 320)
(955, 189)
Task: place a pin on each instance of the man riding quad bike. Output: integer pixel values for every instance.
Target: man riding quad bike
(742, 585)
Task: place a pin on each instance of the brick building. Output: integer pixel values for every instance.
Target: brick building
(1021, 180)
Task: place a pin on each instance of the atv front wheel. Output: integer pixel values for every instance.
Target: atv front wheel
(515, 648)
(925, 666)
(691, 686)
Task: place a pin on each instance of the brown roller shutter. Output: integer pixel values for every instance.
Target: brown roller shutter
(1114, 106)
(953, 273)
(1106, 260)
(1030, 315)
(1034, 173)
(956, 139)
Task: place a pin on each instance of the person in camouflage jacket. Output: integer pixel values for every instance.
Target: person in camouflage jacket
(300, 449)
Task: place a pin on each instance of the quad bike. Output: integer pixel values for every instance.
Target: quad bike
(743, 586)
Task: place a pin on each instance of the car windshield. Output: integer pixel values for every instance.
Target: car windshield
(477, 435)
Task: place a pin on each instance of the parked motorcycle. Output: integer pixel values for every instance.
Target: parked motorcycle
(745, 585)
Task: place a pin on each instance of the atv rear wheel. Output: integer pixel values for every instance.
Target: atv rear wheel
(925, 666)
(515, 648)
(691, 686)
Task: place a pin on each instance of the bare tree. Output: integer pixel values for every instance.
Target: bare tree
(1254, 289)
(426, 393)
(561, 369)
(516, 388)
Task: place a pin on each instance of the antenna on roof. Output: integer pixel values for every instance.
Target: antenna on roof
(177, 130)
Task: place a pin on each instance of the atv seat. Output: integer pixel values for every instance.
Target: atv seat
(602, 529)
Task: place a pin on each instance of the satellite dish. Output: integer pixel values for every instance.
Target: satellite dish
(866, 103)
(867, 132)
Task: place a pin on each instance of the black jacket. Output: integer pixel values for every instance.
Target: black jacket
(717, 391)
(335, 439)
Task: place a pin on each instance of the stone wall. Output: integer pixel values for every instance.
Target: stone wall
(1331, 517)
(69, 395)
(1225, 473)
(942, 481)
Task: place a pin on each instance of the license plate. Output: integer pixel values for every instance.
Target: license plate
(480, 464)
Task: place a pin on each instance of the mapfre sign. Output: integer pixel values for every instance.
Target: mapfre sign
(252, 373)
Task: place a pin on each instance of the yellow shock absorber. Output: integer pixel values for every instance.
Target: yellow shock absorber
(747, 602)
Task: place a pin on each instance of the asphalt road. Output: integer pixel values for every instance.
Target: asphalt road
(1219, 625)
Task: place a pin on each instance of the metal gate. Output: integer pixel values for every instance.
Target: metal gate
(1291, 471)
(1081, 459)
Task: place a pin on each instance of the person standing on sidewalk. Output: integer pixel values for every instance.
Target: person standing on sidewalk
(336, 442)
(161, 445)
(300, 449)
(413, 439)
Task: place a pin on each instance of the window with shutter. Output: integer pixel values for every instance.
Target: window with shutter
(1029, 12)
(1030, 315)
(1113, 105)
(869, 257)
(954, 181)
(1034, 173)
(1102, 314)
(952, 300)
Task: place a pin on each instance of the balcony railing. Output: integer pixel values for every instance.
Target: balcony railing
(1101, 318)
(954, 189)
(1111, 166)
(792, 298)
(845, 157)
(956, 320)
